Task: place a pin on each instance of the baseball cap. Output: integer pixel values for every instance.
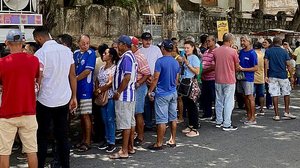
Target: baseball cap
(125, 39)
(146, 36)
(167, 44)
(14, 36)
(134, 40)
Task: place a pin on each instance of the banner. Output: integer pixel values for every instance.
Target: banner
(222, 27)
(21, 19)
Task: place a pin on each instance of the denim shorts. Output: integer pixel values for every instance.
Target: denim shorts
(259, 90)
(165, 108)
(140, 94)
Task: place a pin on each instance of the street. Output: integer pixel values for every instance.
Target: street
(268, 144)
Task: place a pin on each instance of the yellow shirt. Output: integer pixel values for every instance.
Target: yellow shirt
(297, 54)
(259, 76)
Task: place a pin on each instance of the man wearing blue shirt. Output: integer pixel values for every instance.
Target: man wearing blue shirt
(277, 61)
(85, 59)
(165, 80)
(248, 65)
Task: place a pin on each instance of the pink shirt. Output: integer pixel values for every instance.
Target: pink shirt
(143, 66)
(208, 60)
(226, 59)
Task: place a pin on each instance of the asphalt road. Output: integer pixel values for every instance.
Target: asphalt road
(273, 144)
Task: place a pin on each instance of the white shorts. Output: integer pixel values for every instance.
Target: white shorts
(85, 106)
(279, 87)
(125, 114)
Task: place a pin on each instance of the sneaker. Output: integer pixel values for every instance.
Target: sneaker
(111, 148)
(250, 122)
(270, 107)
(103, 146)
(192, 133)
(289, 116)
(187, 129)
(219, 125)
(257, 107)
(203, 118)
(230, 128)
(260, 113)
(22, 157)
(119, 136)
(276, 118)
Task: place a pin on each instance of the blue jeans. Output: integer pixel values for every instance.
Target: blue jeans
(224, 102)
(108, 115)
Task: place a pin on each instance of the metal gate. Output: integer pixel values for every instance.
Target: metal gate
(152, 23)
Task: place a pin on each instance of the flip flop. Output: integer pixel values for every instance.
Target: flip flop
(153, 147)
(132, 152)
(84, 147)
(117, 156)
(170, 144)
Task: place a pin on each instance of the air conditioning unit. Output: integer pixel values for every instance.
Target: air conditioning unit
(18, 5)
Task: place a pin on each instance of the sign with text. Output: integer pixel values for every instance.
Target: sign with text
(21, 19)
(222, 27)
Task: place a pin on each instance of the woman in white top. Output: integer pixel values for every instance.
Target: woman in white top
(104, 83)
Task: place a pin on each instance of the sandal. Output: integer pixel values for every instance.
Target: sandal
(193, 133)
(84, 147)
(153, 147)
(117, 156)
(171, 145)
(78, 145)
(132, 152)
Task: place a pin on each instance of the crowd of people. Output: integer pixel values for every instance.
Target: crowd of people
(134, 86)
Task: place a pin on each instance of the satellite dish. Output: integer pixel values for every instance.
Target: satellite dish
(16, 4)
(33, 2)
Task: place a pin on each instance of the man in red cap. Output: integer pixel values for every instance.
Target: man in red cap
(143, 73)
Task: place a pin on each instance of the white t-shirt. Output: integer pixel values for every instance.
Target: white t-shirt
(151, 53)
(55, 60)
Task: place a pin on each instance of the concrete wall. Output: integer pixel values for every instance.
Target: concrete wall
(101, 23)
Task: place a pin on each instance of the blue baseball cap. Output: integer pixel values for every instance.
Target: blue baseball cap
(14, 36)
(125, 39)
(167, 44)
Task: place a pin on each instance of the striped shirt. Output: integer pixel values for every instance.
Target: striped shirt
(143, 66)
(126, 65)
(208, 60)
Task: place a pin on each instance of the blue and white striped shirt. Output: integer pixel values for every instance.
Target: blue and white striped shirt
(126, 65)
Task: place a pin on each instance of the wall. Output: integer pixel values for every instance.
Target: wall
(101, 23)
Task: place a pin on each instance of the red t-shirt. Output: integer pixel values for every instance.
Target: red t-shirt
(17, 75)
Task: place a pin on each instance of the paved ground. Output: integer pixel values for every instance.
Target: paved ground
(268, 144)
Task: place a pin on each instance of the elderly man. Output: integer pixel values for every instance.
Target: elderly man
(85, 60)
(248, 66)
(227, 62)
(18, 73)
(143, 73)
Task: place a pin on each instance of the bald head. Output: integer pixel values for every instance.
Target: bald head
(84, 42)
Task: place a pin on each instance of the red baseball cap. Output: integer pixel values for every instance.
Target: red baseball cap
(134, 40)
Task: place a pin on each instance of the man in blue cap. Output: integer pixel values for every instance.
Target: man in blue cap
(17, 115)
(165, 80)
(124, 96)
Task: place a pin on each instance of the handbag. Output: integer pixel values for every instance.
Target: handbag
(195, 92)
(101, 99)
(240, 75)
(185, 87)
